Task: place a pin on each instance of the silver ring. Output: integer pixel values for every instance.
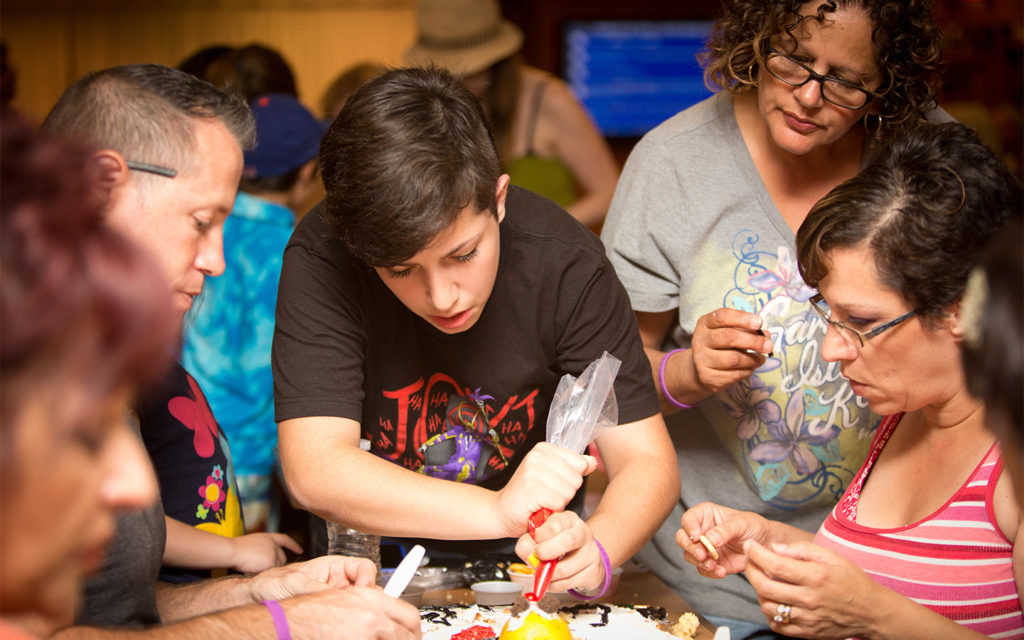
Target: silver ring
(783, 614)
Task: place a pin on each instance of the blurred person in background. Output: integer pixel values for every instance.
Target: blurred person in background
(229, 330)
(993, 351)
(546, 141)
(345, 85)
(701, 232)
(252, 70)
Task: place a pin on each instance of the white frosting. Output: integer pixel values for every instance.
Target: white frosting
(623, 622)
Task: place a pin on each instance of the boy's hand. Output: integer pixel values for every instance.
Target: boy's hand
(567, 538)
(548, 477)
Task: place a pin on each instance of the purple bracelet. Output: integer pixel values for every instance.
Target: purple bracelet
(607, 576)
(280, 620)
(661, 380)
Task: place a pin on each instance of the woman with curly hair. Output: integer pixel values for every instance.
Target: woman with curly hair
(928, 540)
(701, 233)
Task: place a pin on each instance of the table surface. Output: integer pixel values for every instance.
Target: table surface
(635, 587)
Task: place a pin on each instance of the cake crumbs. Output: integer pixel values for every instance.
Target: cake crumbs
(686, 626)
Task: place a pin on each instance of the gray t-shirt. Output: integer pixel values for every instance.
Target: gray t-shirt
(123, 594)
(692, 228)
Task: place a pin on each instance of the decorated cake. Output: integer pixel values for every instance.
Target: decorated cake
(586, 622)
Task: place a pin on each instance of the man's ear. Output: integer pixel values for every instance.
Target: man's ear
(108, 171)
(500, 193)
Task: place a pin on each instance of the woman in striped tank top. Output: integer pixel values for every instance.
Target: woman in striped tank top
(927, 541)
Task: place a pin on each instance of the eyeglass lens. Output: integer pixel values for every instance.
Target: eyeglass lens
(832, 89)
(850, 335)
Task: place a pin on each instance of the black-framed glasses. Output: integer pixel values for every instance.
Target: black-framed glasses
(825, 311)
(835, 90)
(151, 168)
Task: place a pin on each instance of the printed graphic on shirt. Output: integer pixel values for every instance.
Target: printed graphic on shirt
(797, 427)
(217, 506)
(443, 429)
(467, 446)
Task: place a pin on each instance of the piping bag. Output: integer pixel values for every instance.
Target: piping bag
(581, 409)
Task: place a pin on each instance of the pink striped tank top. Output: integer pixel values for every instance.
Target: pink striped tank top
(956, 561)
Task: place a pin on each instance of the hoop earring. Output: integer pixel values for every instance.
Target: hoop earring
(750, 75)
(873, 124)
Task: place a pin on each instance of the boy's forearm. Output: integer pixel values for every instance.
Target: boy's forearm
(331, 477)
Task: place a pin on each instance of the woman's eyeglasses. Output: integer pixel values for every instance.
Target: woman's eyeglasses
(835, 90)
(818, 304)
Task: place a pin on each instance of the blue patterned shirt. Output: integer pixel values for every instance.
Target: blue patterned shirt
(228, 332)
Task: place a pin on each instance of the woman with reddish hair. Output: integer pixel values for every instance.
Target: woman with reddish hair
(84, 321)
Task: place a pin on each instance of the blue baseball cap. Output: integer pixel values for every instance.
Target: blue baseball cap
(287, 136)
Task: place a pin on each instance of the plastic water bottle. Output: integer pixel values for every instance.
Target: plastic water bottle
(345, 541)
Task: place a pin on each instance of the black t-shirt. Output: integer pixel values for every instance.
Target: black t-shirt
(192, 459)
(345, 346)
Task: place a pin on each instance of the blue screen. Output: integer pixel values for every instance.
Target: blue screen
(633, 75)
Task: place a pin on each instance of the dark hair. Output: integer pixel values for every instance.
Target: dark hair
(905, 36)
(198, 63)
(408, 152)
(251, 71)
(503, 101)
(78, 301)
(277, 184)
(145, 112)
(346, 84)
(993, 349)
(925, 206)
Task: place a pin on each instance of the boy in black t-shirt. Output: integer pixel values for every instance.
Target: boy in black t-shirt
(431, 308)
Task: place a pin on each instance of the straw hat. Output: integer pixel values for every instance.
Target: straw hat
(462, 36)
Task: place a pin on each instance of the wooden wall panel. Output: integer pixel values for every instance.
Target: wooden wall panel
(50, 50)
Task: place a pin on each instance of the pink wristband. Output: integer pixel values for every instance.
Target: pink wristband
(280, 620)
(661, 380)
(607, 576)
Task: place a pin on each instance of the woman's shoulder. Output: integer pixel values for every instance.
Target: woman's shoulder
(557, 99)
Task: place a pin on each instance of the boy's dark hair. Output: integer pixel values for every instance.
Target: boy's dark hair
(925, 206)
(145, 112)
(409, 151)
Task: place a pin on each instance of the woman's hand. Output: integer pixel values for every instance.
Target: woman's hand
(727, 347)
(548, 477)
(727, 530)
(257, 552)
(828, 596)
(567, 538)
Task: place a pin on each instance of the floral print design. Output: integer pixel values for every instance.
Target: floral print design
(212, 492)
(791, 453)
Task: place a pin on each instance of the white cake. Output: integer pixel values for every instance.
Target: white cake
(586, 622)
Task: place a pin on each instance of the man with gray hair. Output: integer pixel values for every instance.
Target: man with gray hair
(168, 160)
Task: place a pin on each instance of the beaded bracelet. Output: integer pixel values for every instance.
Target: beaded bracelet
(607, 576)
(280, 620)
(661, 380)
